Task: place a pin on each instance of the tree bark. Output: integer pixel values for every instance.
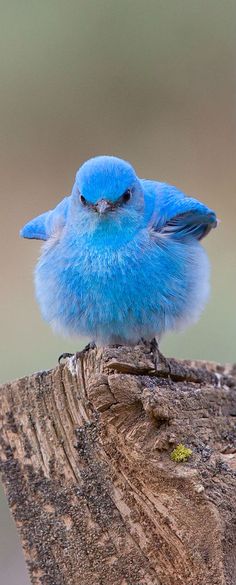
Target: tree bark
(87, 465)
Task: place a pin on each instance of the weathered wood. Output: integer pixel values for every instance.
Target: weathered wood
(86, 465)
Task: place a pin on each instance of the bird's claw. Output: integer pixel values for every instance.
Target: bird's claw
(78, 354)
(64, 356)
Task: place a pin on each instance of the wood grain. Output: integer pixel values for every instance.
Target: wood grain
(86, 465)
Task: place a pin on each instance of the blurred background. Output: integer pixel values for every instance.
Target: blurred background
(151, 81)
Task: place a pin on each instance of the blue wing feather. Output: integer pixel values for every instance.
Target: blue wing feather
(170, 212)
(45, 225)
(36, 228)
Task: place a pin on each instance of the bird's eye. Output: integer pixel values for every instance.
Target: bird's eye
(126, 196)
(83, 200)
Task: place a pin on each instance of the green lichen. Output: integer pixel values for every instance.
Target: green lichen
(180, 454)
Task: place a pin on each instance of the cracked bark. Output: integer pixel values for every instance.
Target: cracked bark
(85, 459)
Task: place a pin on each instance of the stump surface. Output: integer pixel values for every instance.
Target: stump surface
(86, 465)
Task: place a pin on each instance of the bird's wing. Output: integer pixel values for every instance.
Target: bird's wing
(170, 213)
(47, 224)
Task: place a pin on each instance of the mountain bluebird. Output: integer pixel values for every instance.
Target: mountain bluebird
(122, 258)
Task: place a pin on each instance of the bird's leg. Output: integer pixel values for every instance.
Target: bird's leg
(90, 345)
(159, 358)
(77, 354)
(154, 345)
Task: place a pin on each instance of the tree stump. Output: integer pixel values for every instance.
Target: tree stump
(93, 479)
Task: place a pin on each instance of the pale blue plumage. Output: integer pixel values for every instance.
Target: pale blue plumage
(122, 258)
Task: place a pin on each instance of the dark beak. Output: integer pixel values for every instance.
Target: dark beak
(103, 206)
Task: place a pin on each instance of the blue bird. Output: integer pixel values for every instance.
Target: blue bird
(122, 258)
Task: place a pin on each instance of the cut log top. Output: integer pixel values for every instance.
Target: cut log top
(120, 469)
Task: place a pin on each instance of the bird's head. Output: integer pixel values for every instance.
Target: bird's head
(107, 187)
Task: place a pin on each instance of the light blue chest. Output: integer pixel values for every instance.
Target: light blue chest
(94, 287)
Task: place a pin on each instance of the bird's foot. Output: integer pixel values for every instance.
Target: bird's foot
(77, 354)
(64, 356)
(90, 345)
(160, 360)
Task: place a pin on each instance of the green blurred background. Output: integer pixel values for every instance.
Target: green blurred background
(148, 80)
